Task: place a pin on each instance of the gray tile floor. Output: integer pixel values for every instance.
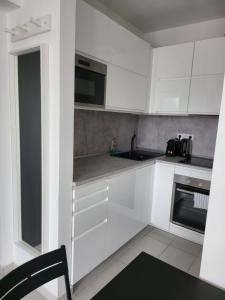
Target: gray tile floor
(176, 251)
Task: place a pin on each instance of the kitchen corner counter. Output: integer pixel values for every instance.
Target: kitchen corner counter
(88, 169)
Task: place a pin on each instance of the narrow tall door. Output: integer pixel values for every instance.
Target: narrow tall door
(29, 100)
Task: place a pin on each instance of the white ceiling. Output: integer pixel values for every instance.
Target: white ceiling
(153, 15)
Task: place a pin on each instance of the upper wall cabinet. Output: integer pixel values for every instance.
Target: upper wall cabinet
(209, 57)
(188, 78)
(206, 95)
(174, 61)
(99, 36)
(207, 77)
(125, 90)
(171, 75)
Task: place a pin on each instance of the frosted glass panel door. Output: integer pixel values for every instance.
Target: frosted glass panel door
(29, 100)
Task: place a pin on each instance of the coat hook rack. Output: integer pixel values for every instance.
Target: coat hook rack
(31, 28)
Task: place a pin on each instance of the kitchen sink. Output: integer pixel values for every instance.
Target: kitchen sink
(138, 155)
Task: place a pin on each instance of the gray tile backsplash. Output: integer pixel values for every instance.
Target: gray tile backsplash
(154, 131)
(94, 131)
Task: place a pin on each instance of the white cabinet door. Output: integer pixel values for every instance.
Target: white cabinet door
(171, 95)
(129, 206)
(89, 251)
(171, 74)
(125, 90)
(206, 95)
(209, 57)
(174, 61)
(101, 37)
(162, 197)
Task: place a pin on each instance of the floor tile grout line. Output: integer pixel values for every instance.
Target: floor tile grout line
(196, 256)
(192, 263)
(165, 249)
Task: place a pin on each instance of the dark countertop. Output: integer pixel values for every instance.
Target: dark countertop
(91, 168)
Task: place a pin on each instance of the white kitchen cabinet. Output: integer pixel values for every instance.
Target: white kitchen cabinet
(171, 95)
(125, 90)
(162, 196)
(209, 57)
(106, 214)
(90, 222)
(171, 74)
(130, 196)
(99, 36)
(206, 95)
(188, 78)
(174, 61)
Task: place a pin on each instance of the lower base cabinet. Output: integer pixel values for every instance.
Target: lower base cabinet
(163, 188)
(107, 214)
(129, 206)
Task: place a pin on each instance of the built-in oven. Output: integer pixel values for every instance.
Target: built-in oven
(190, 202)
(90, 82)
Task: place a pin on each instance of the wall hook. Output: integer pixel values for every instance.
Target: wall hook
(22, 28)
(10, 31)
(35, 22)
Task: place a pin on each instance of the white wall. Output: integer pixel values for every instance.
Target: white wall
(6, 207)
(213, 258)
(61, 43)
(182, 34)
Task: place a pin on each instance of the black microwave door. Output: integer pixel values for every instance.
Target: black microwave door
(89, 87)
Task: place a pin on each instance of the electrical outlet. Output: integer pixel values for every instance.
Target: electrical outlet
(185, 136)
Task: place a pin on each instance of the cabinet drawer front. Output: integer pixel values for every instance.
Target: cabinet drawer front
(91, 200)
(87, 219)
(89, 251)
(172, 95)
(206, 95)
(88, 189)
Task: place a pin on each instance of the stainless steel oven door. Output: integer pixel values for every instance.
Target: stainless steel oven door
(190, 202)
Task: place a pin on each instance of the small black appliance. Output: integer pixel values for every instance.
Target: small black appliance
(173, 147)
(186, 147)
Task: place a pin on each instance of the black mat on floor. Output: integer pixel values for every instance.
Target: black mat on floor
(149, 278)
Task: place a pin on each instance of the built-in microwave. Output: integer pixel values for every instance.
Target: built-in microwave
(90, 82)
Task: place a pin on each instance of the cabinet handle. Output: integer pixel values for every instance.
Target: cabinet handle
(90, 207)
(185, 191)
(89, 230)
(92, 194)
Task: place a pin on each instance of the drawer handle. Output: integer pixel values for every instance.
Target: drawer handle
(92, 194)
(89, 230)
(90, 207)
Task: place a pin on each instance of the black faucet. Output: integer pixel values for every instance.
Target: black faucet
(132, 143)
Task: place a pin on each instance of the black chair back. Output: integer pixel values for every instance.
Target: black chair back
(33, 274)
